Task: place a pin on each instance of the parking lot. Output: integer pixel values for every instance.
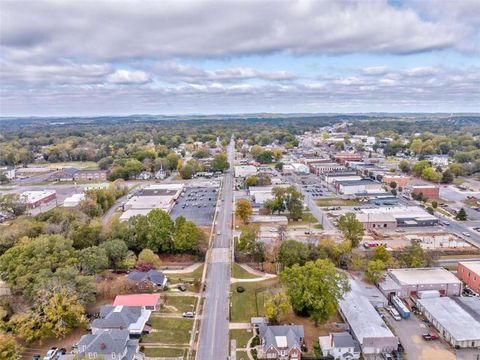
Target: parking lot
(196, 204)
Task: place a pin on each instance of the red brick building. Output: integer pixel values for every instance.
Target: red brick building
(469, 273)
(430, 192)
(344, 158)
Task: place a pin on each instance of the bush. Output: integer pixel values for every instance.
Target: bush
(240, 289)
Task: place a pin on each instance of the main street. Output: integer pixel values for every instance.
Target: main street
(213, 341)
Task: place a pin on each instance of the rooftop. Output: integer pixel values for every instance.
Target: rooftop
(472, 265)
(456, 315)
(423, 276)
(137, 300)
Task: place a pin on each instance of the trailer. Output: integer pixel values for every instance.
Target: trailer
(400, 306)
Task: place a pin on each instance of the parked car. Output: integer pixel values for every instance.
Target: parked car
(36, 357)
(182, 287)
(430, 336)
(188, 314)
(394, 313)
(387, 356)
(50, 355)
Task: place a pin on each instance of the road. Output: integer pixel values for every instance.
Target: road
(213, 341)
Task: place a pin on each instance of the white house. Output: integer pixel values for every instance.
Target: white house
(340, 346)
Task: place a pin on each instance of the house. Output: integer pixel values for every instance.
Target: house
(131, 318)
(154, 277)
(340, 346)
(109, 345)
(147, 301)
(411, 282)
(280, 342)
(469, 273)
(437, 160)
(8, 172)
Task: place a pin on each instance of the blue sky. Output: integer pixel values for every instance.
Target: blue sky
(182, 57)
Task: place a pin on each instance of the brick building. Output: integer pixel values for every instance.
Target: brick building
(430, 192)
(469, 273)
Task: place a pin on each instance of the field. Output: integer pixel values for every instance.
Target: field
(87, 165)
(164, 352)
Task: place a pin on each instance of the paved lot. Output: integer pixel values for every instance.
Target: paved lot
(197, 204)
(410, 331)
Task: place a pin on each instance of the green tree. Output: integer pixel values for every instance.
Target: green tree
(404, 166)
(149, 257)
(315, 288)
(251, 181)
(414, 256)
(220, 162)
(430, 174)
(248, 238)
(12, 204)
(374, 272)
(292, 252)
(351, 228)
(10, 349)
(419, 167)
(172, 160)
(155, 231)
(457, 170)
(276, 306)
(188, 237)
(186, 171)
(416, 146)
(92, 260)
(243, 209)
(461, 215)
(447, 177)
(116, 251)
(381, 253)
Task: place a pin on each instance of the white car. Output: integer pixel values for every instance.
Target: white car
(465, 233)
(188, 314)
(51, 354)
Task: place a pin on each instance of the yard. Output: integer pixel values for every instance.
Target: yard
(242, 337)
(307, 219)
(240, 273)
(178, 303)
(164, 352)
(170, 331)
(250, 302)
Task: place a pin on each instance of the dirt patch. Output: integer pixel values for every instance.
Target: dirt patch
(178, 259)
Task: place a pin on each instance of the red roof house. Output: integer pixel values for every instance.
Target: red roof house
(148, 301)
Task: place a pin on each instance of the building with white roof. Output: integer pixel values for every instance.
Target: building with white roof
(243, 171)
(457, 319)
(404, 216)
(73, 200)
(34, 199)
(412, 282)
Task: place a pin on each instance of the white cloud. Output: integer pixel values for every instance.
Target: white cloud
(375, 70)
(128, 77)
(422, 71)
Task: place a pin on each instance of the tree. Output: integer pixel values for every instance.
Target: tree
(154, 231)
(416, 146)
(430, 174)
(93, 260)
(419, 167)
(277, 306)
(279, 166)
(220, 162)
(12, 204)
(393, 185)
(248, 238)
(413, 256)
(315, 288)
(381, 253)
(457, 169)
(292, 252)
(187, 236)
(404, 166)
(461, 215)
(251, 181)
(447, 177)
(10, 349)
(147, 256)
(375, 269)
(116, 251)
(434, 204)
(351, 228)
(243, 210)
(186, 171)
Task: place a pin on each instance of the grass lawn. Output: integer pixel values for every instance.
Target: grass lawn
(240, 273)
(169, 331)
(90, 165)
(250, 302)
(242, 337)
(164, 352)
(182, 303)
(307, 218)
(179, 277)
(242, 355)
(337, 202)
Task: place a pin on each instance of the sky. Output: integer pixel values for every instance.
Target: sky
(105, 57)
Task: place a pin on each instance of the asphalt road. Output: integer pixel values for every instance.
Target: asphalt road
(213, 342)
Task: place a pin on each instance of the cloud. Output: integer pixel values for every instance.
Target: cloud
(106, 30)
(375, 70)
(422, 71)
(126, 77)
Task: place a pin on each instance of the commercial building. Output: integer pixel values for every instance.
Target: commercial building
(353, 187)
(243, 171)
(300, 169)
(72, 174)
(333, 177)
(457, 319)
(158, 196)
(437, 160)
(326, 167)
(404, 216)
(430, 192)
(35, 199)
(377, 221)
(400, 180)
(73, 200)
(412, 282)
(469, 273)
(346, 157)
(366, 325)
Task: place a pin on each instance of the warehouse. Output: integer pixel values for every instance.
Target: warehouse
(73, 200)
(367, 326)
(430, 192)
(457, 319)
(300, 169)
(377, 221)
(352, 187)
(405, 216)
(411, 282)
(243, 171)
(34, 199)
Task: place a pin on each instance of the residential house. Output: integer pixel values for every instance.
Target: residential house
(340, 346)
(280, 342)
(152, 277)
(147, 301)
(131, 318)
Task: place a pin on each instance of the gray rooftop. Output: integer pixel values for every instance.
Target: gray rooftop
(291, 333)
(458, 316)
(117, 317)
(344, 340)
(108, 343)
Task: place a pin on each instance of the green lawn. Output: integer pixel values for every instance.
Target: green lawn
(250, 302)
(164, 352)
(242, 337)
(169, 331)
(179, 277)
(307, 218)
(240, 273)
(242, 355)
(182, 303)
(89, 165)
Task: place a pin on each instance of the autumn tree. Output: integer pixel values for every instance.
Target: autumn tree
(147, 256)
(10, 349)
(243, 210)
(374, 272)
(276, 306)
